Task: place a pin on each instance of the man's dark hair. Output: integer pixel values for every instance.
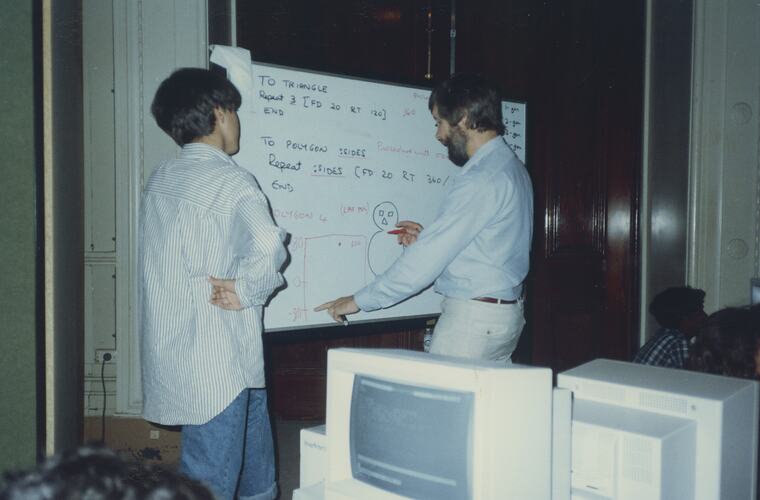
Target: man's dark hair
(97, 473)
(184, 103)
(471, 95)
(727, 344)
(674, 304)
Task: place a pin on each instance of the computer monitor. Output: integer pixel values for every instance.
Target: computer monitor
(405, 424)
(643, 431)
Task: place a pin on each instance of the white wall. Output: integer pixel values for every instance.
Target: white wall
(699, 224)
(130, 47)
(723, 244)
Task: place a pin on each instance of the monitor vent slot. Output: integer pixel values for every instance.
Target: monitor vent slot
(637, 460)
(663, 403)
(603, 392)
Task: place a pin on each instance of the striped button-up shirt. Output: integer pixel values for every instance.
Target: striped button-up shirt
(202, 215)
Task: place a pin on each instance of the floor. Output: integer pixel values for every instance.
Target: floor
(287, 443)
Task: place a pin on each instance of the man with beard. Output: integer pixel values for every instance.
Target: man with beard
(477, 249)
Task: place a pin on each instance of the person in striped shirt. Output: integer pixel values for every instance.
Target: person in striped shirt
(210, 256)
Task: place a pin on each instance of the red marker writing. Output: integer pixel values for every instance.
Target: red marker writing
(396, 231)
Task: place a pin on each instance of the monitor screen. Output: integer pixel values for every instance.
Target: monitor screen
(411, 440)
(405, 424)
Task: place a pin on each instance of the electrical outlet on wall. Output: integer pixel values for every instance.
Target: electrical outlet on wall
(100, 353)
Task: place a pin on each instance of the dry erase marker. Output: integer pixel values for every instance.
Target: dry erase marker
(396, 231)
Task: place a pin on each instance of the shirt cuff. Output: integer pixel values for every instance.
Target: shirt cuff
(245, 303)
(363, 299)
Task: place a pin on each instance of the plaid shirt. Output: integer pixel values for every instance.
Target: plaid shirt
(668, 348)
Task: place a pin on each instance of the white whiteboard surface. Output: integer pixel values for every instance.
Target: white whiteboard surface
(341, 161)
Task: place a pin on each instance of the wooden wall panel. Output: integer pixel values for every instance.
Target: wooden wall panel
(384, 40)
(580, 67)
(297, 362)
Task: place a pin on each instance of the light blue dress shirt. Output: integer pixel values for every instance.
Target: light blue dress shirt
(202, 215)
(479, 242)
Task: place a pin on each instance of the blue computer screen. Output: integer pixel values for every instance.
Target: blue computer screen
(410, 440)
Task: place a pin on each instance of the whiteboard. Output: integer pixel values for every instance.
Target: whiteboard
(341, 161)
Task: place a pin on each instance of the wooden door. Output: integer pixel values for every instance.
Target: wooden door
(579, 65)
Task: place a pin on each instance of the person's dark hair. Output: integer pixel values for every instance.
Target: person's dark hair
(471, 95)
(96, 473)
(727, 344)
(184, 103)
(672, 305)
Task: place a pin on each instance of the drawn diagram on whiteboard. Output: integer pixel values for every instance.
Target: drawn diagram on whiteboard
(333, 265)
(383, 247)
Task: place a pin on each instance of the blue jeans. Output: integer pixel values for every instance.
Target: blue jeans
(233, 452)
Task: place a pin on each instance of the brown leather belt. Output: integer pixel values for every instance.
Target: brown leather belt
(492, 300)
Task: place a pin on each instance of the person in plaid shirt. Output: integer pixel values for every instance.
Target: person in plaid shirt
(680, 313)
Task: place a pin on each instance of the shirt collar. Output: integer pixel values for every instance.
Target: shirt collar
(483, 151)
(203, 151)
